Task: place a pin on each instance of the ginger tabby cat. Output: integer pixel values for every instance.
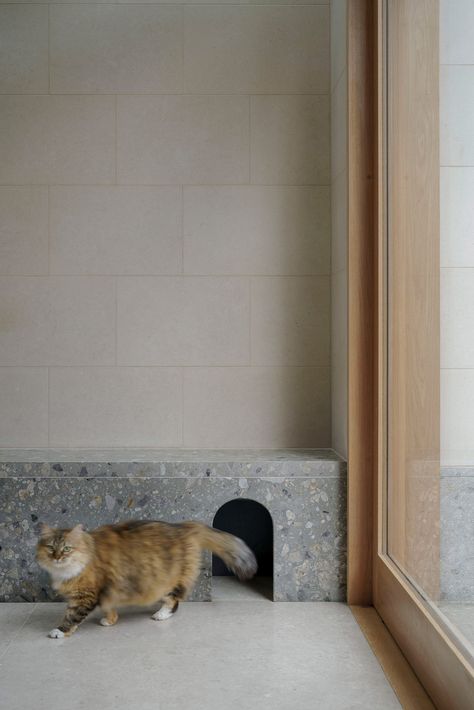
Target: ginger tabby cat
(132, 563)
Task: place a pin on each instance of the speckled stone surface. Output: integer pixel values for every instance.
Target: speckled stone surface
(304, 491)
(181, 463)
(457, 533)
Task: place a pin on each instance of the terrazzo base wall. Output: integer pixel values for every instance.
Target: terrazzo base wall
(305, 493)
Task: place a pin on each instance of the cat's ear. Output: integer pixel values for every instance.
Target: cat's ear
(45, 530)
(76, 532)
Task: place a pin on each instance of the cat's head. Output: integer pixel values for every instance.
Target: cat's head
(63, 550)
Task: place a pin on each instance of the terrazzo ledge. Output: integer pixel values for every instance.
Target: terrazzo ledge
(178, 463)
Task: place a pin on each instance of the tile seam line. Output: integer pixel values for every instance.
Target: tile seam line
(220, 275)
(49, 48)
(116, 321)
(115, 3)
(15, 635)
(176, 367)
(48, 405)
(185, 3)
(158, 185)
(457, 369)
(189, 448)
(116, 141)
(160, 94)
(183, 409)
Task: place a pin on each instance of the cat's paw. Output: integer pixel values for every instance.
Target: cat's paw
(162, 614)
(56, 634)
(105, 622)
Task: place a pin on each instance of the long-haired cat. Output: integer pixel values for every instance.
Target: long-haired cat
(136, 562)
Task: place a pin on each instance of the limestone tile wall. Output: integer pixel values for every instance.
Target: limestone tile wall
(165, 224)
(457, 298)
(339, 177)
(457, 232)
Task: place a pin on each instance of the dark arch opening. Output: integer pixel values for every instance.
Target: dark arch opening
(252, 522)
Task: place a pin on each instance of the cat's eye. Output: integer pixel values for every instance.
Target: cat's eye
(67, 548)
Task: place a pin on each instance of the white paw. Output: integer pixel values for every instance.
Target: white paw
(56, 634)
(162, 614)
(105, 622)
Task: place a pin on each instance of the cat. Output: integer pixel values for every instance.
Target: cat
(137, 562)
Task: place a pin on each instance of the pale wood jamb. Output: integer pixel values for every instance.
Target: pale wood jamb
(434, 656)
(361, 298)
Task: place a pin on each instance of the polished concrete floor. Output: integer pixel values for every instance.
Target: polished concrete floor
(250, 654)
(228, 589)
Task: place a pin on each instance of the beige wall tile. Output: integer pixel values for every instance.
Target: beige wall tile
(339, 222)
(58, 139)
(278, 226)
(339, 127)
(24, 410)
(111, 48)
(47, 2)
(457, 115)
(233, 2)
(339, 383)
(339, 314)
(180, 2)
(57, 320)
(339, 404)
(183, 139)
(23, 49)
(183, 321)
(256, 230)
(290, 320)
(457, 225)
(457, 217)
(338, 39)
(290, 140)
(23, 230)
(256, 407)
(238, 49)
(227, 2)
(457, 318)
(457, 417)
(456, 26)
(121, 406)
(115, 230)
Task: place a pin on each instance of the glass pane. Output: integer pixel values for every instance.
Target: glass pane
(430, 302)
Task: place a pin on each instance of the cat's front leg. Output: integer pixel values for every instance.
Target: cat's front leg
(77, 610)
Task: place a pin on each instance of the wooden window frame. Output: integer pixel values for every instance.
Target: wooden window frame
(373, 578)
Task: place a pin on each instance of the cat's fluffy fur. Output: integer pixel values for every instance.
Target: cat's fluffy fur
(136, 562)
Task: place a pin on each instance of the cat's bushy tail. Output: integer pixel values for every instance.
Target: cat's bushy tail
(233, 551)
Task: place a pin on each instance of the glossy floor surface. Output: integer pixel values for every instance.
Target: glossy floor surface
(230, 654)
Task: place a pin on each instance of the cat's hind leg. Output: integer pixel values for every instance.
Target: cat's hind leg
(170, 603)
(110, 617)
